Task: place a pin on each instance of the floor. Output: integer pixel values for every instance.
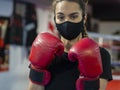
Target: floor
(16, 79)
(113, 85)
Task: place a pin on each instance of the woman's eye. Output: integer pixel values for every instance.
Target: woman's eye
(73, 17)
(60, 18)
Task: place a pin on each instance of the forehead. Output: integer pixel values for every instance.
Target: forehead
(67, 7)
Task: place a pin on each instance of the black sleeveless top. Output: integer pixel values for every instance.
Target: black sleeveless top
(65, 73)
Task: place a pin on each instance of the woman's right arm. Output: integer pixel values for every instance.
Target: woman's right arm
(33, 86)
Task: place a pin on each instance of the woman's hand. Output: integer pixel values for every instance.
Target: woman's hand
(33, 86)
(103, 84)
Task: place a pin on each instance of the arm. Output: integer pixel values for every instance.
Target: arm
(33, 86)
(86, 51)
(106, 76)
(103, 84)
(41, 55)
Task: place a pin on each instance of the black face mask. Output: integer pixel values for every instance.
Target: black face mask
(70, 30)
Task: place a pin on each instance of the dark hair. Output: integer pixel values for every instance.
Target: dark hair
(82, 4)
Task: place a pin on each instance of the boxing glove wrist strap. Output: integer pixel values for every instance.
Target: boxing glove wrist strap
(84, 84)
(41, 77)
(92, 85)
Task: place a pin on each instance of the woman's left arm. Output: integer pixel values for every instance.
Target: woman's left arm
(103, 84)
(106, 76)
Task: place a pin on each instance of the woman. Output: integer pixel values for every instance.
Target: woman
(63, 72)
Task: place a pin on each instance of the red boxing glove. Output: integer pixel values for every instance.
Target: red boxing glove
(43, 51)
(87, 52)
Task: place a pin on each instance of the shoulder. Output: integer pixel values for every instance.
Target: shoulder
(105, 56)
(104, 53)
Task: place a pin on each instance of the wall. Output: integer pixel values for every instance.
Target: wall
(109, 27)
(42, 19)
(6, 7)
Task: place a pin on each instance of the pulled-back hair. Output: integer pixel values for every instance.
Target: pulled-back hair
(80, 2)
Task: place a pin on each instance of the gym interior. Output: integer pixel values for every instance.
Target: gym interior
(22, 20)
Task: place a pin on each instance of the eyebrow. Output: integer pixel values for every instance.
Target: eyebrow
(73, 13)
(69, 14)
(60, 13)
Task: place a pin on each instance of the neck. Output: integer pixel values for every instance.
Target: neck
(69, 43)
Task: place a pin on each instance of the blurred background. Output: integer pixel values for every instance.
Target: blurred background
(22, 20)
